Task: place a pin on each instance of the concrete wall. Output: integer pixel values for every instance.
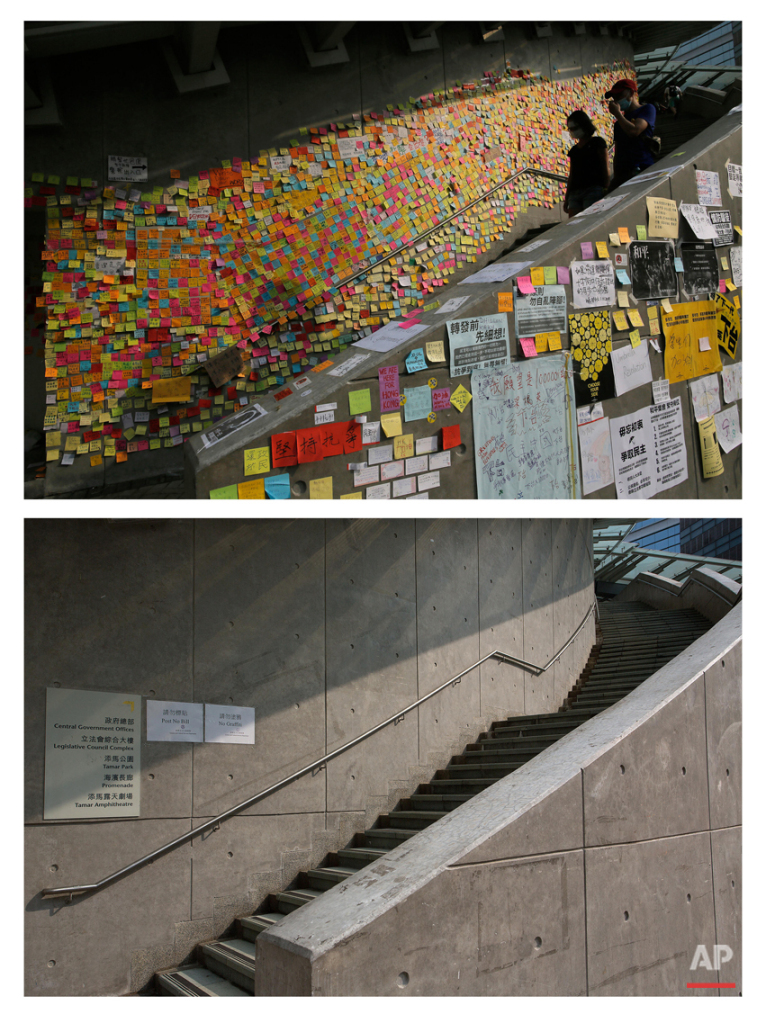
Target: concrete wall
(597, 868)
(326, 628)
(708, 592)
(223, 464)
(108, 98)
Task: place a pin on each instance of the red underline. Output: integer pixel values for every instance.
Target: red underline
(711, 985)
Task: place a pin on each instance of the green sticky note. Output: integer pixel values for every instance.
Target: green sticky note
(37, 176)
(225, 493)
(303, 131)
(359, 402)
(54, 179)
(550, 274)
(72, 181)
(640, 232)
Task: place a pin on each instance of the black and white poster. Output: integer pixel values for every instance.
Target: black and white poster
(701, 274)
(652, 270)
(721, 221)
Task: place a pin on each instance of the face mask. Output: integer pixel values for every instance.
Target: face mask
(624, 104)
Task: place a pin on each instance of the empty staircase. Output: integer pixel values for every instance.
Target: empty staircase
(634, 641)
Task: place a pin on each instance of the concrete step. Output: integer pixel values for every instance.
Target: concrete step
(358, 857)
(294, 899)
(324, 878)
(233, 959)
(410, 819)
(197, 982)
(490, 770)
(459, 786)
(386, 838)
(433, 801)
(252, 926)
(561, 723)
(532, 719)
(489, 757)
(531, 746)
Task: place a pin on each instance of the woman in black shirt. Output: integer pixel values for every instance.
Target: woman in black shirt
(588, 164)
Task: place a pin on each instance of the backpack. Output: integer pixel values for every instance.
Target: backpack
(654, 144)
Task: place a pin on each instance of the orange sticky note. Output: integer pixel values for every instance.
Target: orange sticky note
(450, 436)
(96, 459)
(505, 302)
(623, 235)
(252, 490)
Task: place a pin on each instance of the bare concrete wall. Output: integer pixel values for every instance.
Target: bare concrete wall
(598, 868)
(326, 628)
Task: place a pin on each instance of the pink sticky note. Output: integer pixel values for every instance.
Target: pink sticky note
(722, 287)
(388, 379)
(525, 285)
(587, 250)
(562, 274)
(528, 346)
(440, 397)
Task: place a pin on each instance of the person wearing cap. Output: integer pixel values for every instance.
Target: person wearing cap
(634, 124)
(588, 164)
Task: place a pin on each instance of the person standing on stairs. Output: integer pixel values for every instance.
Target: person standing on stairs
(588, 164)
(633, 127)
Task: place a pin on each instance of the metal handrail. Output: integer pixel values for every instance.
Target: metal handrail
(435, 227)
(89, 889)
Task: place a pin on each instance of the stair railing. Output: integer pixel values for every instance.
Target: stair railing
(70, 891)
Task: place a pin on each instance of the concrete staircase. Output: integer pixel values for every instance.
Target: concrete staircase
(633, 642)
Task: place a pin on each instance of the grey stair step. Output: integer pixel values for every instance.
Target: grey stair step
(489, 770)
(233, 959)
(413, 818)
(197, 982)
(359, 856)
(544, 738)
(293, 899)
(530, 746)
(560, 726)
(324, 878)
(434, 801)
(253, 925)
(488, 757)
(387, 838)
(468, 786)
(530, 719)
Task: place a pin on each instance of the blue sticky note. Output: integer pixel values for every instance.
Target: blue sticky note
(278, 487)
(416, 360)
(622, 276)
(679, 264)
(418, 404)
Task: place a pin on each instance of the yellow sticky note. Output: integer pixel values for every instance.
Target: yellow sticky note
(404, 446)
(602, 250)
(53, 439)
(738, 229)
(460, 398)
(736, 301)
(622, 300)
(434, 353)
(257, 460)
(391, 424)
(52, 454)
(252, 490)
(667, 306)
(614, 239)
(635, 338)
(731, 285)
(96, 460)
(554, 340)
(351, 497)
(620, 323)
(537, 273)
(321, 490)
(635, 318)
(505, 302)
(541, 342)
(724, 262)
(175, 389)
(95, 445)
(623, 235)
